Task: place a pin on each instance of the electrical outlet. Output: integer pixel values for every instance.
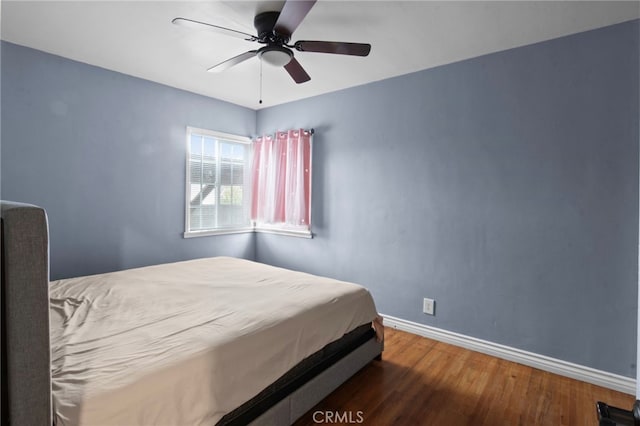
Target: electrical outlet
(429, 306)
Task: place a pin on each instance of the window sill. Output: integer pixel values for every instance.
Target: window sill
(262, 230)
(208, 233)
(283, 231)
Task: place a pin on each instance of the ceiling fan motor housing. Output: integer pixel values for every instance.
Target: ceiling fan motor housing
(265, 22)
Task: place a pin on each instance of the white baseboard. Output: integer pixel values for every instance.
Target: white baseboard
(552, 365)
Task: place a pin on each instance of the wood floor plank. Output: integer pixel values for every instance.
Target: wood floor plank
(424, 382)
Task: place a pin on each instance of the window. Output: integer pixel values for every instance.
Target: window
(236, 185)
(281, 183)
(218, 183)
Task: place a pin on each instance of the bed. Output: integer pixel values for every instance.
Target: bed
(207, 341)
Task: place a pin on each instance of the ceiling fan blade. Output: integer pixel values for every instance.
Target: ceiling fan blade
(233, 61)
(292, 14)
(296, 71)
(340, 48)
(190, 23)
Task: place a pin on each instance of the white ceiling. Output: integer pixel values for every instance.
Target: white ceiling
(137, 38)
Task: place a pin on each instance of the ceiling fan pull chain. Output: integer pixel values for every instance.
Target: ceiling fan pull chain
(260, 102)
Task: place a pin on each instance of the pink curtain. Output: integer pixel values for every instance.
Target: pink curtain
(281, 175)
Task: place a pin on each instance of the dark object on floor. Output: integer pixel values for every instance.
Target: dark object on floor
(614, 416)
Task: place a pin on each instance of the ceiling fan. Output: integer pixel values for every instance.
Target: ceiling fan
(274, 31)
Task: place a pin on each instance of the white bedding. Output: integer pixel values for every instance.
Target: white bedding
(185, 343)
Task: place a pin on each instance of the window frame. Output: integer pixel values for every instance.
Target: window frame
(187, 203)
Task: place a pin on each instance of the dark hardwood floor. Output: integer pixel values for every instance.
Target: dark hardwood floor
(425, 382)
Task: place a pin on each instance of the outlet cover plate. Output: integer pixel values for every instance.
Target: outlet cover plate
(429, 306)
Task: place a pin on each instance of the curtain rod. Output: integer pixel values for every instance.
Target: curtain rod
(311, 131)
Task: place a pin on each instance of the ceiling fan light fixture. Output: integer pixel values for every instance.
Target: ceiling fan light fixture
(278, 56)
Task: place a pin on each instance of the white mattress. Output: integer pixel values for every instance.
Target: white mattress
(185, 343)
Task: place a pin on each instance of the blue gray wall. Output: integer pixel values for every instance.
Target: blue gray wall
(505, 187)
(104, 154)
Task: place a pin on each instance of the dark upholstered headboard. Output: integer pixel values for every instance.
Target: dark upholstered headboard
(26, 355)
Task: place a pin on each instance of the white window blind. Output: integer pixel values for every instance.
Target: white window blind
(218, 183)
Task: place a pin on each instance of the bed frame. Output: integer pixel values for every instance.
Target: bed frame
(25, 356)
